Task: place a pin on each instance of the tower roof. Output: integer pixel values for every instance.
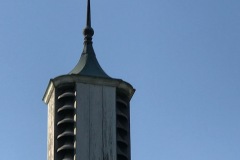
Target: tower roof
(88, 64)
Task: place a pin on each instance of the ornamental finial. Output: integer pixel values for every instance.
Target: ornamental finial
(88, 32)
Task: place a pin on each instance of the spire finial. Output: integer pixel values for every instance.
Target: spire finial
(88, 13)
(88, 32)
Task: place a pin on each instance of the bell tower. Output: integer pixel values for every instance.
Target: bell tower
(88, 111)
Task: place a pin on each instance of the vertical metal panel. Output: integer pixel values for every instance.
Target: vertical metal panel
(109, 123)
(82, 121)
(95, 122)
(96, 128)
(51, 117)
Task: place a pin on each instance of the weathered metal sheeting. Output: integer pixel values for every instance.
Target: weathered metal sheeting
(95, 122)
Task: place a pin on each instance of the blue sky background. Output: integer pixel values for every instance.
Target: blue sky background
(182, 56)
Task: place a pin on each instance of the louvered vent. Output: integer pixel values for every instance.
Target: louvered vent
(123, 130)
(65, 125)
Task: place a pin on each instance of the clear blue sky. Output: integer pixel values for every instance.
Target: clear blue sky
(182, 56)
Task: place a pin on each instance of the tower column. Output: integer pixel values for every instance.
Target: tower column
(88, 118)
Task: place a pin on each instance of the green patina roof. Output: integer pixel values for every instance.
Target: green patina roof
(88, 64)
